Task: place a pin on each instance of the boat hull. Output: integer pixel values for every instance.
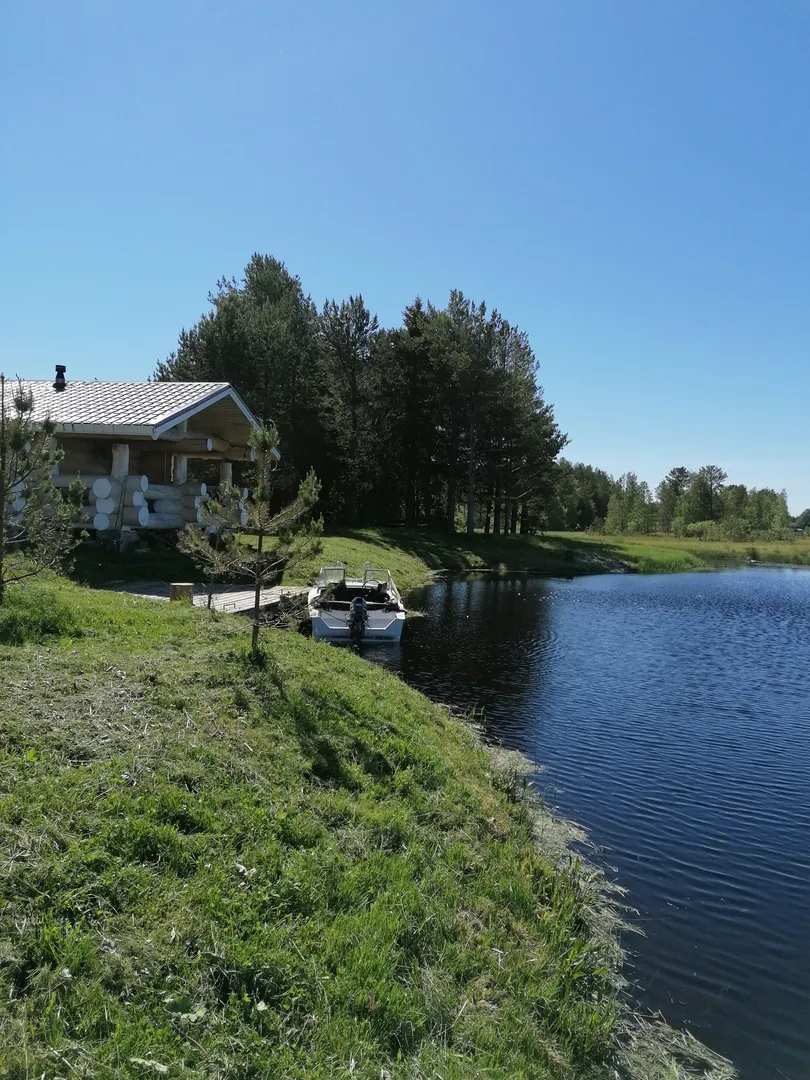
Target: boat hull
(333, 627)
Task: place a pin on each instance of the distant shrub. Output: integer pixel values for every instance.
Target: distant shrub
(735, 528)
(703, 530)
(34, 612)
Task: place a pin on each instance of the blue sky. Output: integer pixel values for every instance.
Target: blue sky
(626, 180)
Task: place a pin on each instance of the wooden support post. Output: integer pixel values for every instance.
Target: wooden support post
(120, 459)
(179, 469)
(225, 472)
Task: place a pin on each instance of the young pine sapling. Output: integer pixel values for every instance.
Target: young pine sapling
(216, 548)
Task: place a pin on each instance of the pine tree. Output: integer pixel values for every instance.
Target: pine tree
(37, 525)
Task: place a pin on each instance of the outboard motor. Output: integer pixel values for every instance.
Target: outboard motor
(358, 619)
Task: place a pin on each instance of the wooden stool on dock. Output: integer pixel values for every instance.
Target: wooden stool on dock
(181, 590)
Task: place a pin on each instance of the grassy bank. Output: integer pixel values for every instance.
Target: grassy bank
(654, 554)
(303, 869)
(299, 869)
(413, 555)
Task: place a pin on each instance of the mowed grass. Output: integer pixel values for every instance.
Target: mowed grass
(212, 868)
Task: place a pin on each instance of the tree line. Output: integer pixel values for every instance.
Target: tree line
(438, 421)
(685, 503)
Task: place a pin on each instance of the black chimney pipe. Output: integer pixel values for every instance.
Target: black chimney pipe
(59, 381)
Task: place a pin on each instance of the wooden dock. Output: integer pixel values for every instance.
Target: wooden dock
(231, 598)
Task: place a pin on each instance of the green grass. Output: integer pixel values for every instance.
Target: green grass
(643, 555)
(655, 554)
(413, 555)
(301, 869)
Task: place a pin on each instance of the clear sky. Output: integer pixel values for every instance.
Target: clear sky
(627, 180)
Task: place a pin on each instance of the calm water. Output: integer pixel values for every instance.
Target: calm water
(672, 715)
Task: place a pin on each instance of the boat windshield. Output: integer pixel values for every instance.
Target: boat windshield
(331, 575)
(372, 576)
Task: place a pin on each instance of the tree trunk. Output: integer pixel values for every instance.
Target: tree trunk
(450, 508)
(507, 499)
(488, 514)
(427, 497)
(257, 597)
(352, 474)
(216, 548)
(354, 448)
(450, 504)
(471, 483)
(524, 518)
(410, 495)
(496, 520)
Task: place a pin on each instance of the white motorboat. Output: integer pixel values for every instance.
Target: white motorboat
(359, 610)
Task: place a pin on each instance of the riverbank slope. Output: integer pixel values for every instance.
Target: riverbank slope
(412, 555)
(661, 552)
(415, 555)
(298, 868)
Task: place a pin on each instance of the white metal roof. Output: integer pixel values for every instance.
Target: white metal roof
(138, 409)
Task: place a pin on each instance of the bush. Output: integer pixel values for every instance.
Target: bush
(736, 528)
(703, 530)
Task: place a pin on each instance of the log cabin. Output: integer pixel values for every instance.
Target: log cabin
(130, 442)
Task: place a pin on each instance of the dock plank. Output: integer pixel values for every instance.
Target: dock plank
(230, 598)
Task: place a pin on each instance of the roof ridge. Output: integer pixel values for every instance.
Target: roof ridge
(129, 382)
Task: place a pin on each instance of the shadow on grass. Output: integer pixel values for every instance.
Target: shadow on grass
(458, 551)
(543, 554)
(330, 730)
(95, 565)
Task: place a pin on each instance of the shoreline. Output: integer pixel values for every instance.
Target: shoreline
(647, 1047)
(533, 571)
(416, 556)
